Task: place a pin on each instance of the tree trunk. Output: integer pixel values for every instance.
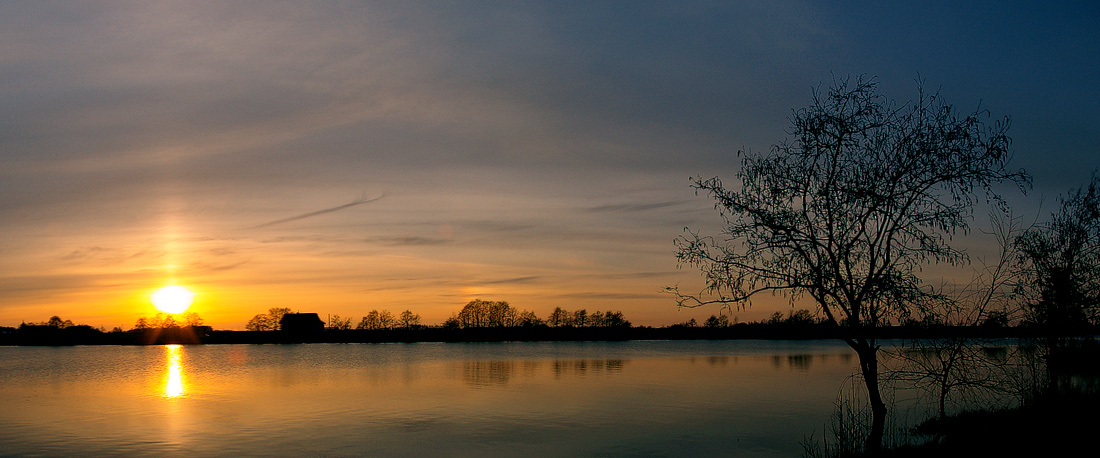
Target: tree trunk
(943, 400)
(868, 365)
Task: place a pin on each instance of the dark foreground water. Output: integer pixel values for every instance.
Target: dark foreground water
(600, 399)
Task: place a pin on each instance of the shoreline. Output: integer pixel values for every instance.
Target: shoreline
(204, 335)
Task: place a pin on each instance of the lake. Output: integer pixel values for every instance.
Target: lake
(603, 399)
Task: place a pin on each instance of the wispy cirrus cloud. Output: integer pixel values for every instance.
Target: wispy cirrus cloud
(318, 212)
(410, 241)
(634, 207)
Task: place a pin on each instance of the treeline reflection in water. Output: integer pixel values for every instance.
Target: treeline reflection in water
(498, 372)
(485, 373)
(502, 399)
(482, 373)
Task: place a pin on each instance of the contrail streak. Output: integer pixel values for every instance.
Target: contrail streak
(318, 212)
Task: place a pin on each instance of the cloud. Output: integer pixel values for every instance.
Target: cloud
(411, 241)
(604, 295)
(53, 285)
(632, 207)
(318, 212)
(208, 267)
(505, 281)
(83, 253)
(111, 255)
(627, 276)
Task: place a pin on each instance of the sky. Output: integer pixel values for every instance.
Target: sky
(339, 157)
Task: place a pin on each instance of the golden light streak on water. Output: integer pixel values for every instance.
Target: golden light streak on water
(173, 379)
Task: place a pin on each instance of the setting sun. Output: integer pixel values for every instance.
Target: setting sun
(172, 299)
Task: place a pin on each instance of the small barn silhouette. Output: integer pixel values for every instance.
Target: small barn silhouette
(301, 323)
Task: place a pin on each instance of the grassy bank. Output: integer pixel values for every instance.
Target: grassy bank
(1055, 425)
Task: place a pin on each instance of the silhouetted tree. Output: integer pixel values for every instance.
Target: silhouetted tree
(996, 319)
(409, 320)
(386, 319)
(615, 320)
(960, 365)
(269, 321)
(596, 319)
(381, 320)
(775, 318)
(800, 317)
(559, 317)
(372, 321)
(337, 322)
(56, 322)
(192, 319)
(256, 323)
(717, 321)
(1059, 263)
(692, 323)
(167, 322)
(580, 318)
(528, 319)
(475, 314)
(478, 313)
(501, 314)
(275, 314)
(452, 323)
(848, 211)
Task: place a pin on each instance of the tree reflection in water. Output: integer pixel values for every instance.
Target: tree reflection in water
(497, 373)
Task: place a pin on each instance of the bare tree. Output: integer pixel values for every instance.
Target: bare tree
(56, 322)
(848, 211)
(717, 321)
(409, 320)
(193, 319)
(386, 320)
(478, 313)
(596, 319)
(501, 314)
(580, 318)
(960, 364)
(615, 319)
(380, 320)
(1059, 266)
(372, 321)
(528, 319)
(269, 321)
(339, 323)
(474, 314)
(168, 322)
(1059, 263)
(258, 322)
(559, 317)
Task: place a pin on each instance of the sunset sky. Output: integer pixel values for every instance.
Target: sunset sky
(339, 157)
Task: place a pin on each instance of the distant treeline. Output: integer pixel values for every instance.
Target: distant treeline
(475, 314)
(499, 314)
(485, 321)
(158, 330)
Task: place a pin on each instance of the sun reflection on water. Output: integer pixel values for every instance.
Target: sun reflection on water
(173, 377)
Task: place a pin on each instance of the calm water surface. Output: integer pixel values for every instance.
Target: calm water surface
(609, 399)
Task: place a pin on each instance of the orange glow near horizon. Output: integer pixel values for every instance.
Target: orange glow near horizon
(235, 279)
